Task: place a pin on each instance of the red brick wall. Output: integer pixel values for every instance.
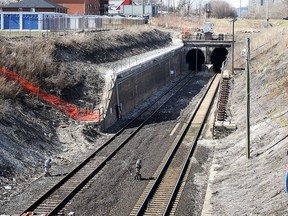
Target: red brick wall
(77, 6)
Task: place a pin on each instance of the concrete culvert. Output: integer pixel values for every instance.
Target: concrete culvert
(195, 58)
(218, 56)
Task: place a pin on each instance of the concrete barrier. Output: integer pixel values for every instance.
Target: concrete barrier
(136, 84)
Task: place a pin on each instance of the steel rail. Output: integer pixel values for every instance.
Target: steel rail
(87, 160)
(186, 164)
(162, 172)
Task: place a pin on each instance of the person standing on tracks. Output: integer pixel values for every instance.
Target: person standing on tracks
(47, 166)
(137, 170)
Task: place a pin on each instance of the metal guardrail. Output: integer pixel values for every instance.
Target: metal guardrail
(197, 36)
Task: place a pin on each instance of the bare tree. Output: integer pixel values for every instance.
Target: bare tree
(222, 9)
(200, 8)
(186, 6)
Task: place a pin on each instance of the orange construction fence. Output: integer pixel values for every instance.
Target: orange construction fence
(65, 107)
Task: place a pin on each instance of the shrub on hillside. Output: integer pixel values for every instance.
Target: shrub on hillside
(8, 89)
(221, 9)
(31, 58)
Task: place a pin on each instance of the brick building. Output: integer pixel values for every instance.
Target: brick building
(79, 7)
(86, 7)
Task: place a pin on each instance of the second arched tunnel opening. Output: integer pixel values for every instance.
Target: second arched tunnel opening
(217, 58)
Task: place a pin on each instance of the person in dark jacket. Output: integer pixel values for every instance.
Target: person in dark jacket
(47, 166)
(137, 170)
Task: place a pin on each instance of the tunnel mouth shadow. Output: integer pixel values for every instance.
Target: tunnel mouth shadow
(218, 56)
(195, 59)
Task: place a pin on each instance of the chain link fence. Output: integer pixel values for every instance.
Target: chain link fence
(49, 25)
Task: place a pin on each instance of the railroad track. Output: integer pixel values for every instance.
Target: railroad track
(162, 195)
(53, 201)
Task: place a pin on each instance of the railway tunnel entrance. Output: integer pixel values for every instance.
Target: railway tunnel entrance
(195, 59)
(218, 56)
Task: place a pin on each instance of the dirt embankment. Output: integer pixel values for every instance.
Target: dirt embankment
(31, 130)
(256, 186)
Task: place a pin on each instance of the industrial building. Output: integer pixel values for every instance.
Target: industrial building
(133, 8)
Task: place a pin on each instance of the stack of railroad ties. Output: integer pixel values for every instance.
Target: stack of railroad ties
(223, 125)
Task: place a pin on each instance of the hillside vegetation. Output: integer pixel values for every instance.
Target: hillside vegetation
(67, 67)
(50, 62)
(256, 186)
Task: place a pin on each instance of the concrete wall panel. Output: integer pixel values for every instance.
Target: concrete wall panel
(139, 83)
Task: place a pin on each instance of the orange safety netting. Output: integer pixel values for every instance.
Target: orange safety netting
(65, 107)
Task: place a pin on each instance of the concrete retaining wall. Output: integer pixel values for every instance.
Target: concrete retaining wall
(136, 84)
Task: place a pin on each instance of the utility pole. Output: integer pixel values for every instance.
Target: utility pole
(168, 5)
(267, 13)
(143, 4)
(233, 21)
(233, 46)
(174, 6)
(240, 10)
(161, 8)
(248, 98)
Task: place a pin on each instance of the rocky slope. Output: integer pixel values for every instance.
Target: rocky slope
(255, 186)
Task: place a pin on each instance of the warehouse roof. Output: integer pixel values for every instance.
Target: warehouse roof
(33, 4)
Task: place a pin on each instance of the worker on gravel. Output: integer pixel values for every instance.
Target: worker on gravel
(137, 169)
(47, 166)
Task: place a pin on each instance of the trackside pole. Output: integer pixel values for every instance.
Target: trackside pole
(248, 98)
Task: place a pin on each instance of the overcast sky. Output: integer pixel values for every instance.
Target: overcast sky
(236, 3)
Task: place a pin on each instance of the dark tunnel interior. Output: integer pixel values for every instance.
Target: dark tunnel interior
(218, 56)
(195, 58)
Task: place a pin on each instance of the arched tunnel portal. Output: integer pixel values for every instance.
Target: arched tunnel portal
(195, 58)
(218, 56)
